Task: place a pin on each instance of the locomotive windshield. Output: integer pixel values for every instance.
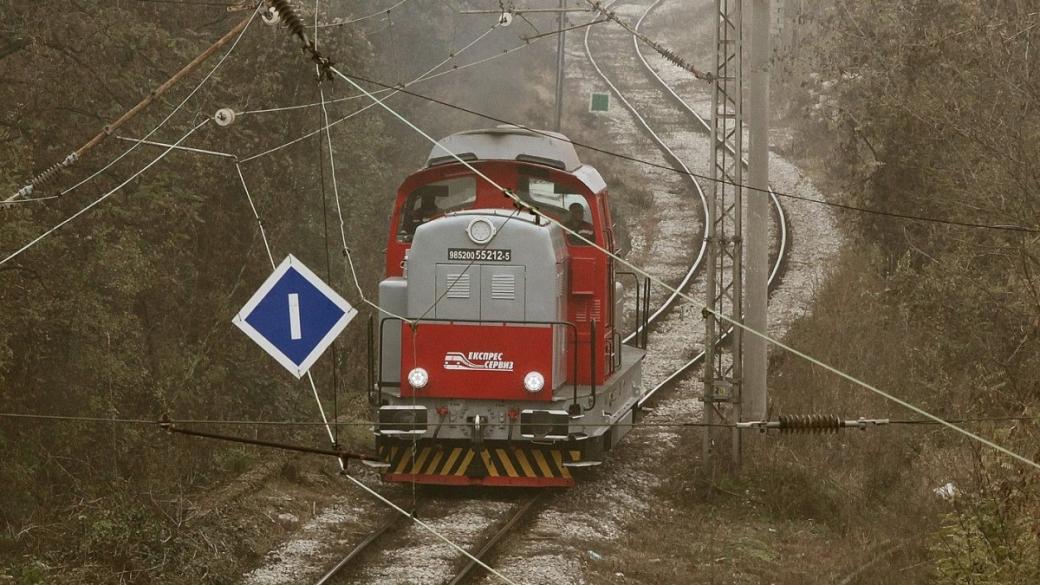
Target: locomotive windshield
(433, 200)
(557, 201)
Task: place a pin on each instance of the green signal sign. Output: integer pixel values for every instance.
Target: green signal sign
(600, 102)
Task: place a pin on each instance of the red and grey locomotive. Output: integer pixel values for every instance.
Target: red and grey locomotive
(501, 359)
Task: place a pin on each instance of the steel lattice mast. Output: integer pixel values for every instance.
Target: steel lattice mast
(723, 229)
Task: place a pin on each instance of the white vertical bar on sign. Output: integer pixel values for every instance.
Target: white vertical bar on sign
(294, 316)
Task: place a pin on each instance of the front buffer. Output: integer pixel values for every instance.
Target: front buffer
(495, 463)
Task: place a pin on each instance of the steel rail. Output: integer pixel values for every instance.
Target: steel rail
(704, 125)
(707, 128)
(695, 266)
(781, 216)
(361, 547)
(521, 511)
(466, 570)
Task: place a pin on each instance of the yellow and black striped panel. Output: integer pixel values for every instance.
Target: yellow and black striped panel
(497, 461)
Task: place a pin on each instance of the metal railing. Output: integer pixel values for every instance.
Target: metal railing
(642, 309)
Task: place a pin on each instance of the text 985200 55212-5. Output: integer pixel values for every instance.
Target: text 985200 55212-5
(480, 255)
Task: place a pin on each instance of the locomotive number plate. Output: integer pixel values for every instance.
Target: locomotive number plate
(480, 255)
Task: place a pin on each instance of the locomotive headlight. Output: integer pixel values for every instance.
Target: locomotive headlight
(534, 382)
(480, 231)
(418, 378)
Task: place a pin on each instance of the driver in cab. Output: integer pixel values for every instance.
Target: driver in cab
(424, 209)
(575, 222)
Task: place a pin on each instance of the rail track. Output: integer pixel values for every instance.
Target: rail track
(703, 125)
(347, 570)
(393, 521)
(493, 532)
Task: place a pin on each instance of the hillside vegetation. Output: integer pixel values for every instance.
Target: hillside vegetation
(927, 108)
(126, 312)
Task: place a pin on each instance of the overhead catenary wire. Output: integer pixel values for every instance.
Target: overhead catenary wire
(392, 91)
(717, 314)
(387, 10)
(551, 33)
(237, 32)
(370, 423)
(325, 240)
(97, 201)
(339, 208)
(649, 163)
(270, 256)
(665, 52)
(256, 214)
(640, 161)
(225, 5)
(29, 200)
(454, 69)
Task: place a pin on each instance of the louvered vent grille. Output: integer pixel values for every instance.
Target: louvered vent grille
(589, 311)
(457, 285)
(503, 287)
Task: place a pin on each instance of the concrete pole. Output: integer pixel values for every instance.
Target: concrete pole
(559, 67)
(753, 399)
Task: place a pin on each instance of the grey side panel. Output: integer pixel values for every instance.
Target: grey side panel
(561, 349)
(393, 297)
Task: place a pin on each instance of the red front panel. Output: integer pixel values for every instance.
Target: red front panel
(477, 361)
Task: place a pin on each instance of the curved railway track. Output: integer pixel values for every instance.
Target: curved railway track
(347, 570)
(495, 531)
(671, 154)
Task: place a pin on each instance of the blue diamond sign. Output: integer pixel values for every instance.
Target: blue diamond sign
(294, 316)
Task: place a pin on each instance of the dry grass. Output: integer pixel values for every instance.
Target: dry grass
(808, 508)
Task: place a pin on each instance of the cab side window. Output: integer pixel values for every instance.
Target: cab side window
(434, 200)
(557, 201)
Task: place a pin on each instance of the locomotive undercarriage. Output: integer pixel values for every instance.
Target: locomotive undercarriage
(495, 442)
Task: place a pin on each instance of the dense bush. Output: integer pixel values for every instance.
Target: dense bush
(933, 105)
(126, 311)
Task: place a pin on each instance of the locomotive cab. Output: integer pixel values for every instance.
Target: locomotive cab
(501, 359)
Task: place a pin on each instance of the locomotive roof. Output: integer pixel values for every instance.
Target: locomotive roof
(507, 143)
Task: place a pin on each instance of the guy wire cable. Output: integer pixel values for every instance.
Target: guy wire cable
(108, 194)
(270, 256)
(368, 423)
(393, 90)
(325, 229)
(241, 29)
(842, 206)
(358, 19)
